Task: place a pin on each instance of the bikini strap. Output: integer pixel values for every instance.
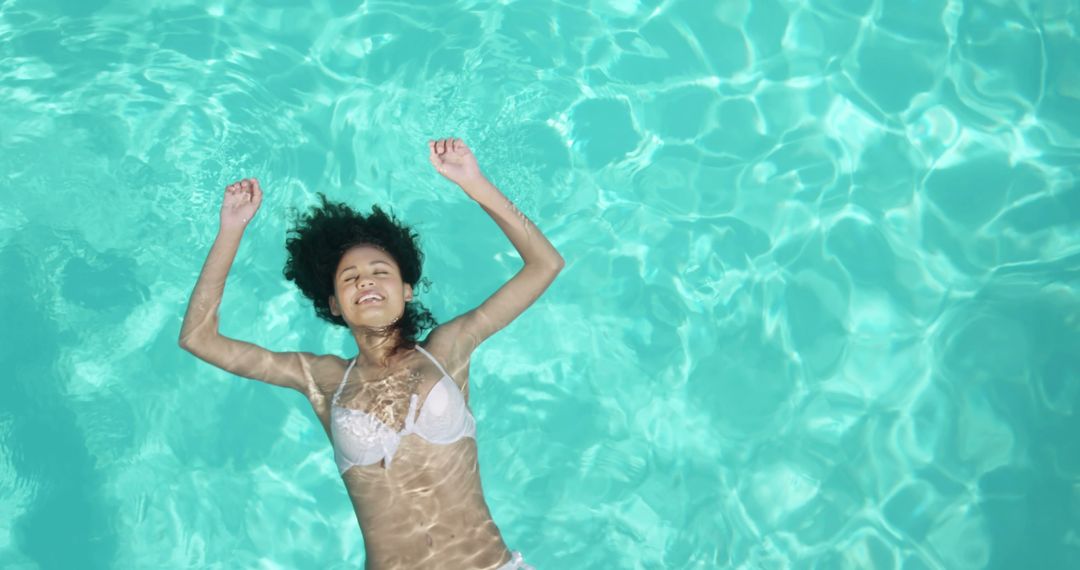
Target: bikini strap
(432, 358)
(343, 379)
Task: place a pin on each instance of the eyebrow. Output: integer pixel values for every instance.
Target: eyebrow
(377, 261)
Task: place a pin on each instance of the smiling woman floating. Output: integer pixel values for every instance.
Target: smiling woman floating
(397, 413)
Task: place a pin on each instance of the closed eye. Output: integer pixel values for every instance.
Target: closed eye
(354, 277)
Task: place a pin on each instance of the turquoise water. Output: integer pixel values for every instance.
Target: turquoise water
(821, 307)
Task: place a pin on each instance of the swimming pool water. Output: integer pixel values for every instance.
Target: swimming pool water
(820, 308)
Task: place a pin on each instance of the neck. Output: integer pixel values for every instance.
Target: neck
(378, 346)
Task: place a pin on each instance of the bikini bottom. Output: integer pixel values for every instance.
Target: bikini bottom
(516, 563)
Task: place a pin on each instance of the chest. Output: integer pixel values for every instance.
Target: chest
(385, 394)
(441, 417)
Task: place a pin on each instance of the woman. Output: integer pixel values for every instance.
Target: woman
(396, 414)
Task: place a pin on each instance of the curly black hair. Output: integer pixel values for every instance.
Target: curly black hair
(321, 236)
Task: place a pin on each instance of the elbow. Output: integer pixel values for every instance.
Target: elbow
(191, 342)
(553, 267)
(557, 263)
(548, 267)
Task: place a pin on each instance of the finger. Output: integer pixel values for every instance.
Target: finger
(433, 156)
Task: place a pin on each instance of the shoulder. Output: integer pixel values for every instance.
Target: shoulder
(325, 371)
(454, 337)
(449, 344)
(444, 341)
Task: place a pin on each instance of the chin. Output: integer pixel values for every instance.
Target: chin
(380, 323)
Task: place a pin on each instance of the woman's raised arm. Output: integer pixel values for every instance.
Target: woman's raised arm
(199, 334)
(455, 161)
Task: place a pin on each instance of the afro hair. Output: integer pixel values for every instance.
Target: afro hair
(322, 235)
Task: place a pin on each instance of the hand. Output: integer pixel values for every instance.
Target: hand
(242, 200)
(453, 159)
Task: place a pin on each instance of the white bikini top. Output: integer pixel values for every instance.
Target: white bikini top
(359, 438)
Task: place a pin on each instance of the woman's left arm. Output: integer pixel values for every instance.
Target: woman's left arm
(453, 159)
(534, 247)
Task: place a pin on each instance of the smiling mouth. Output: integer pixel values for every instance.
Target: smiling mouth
(370, 301)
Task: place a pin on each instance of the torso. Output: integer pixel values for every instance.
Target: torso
(428, 509)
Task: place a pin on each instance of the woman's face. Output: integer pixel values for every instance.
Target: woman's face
(365, 271)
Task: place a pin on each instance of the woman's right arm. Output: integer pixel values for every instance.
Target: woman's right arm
(199, 334)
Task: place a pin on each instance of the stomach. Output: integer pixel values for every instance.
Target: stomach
(427, 510)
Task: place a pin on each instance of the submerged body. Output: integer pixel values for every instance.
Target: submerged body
(397, 414)
(421, 506)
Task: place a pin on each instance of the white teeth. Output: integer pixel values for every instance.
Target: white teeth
(368, 298)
